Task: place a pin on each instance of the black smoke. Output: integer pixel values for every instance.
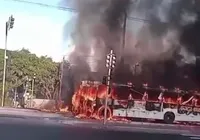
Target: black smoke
(190, 36)
(114, 14)
(98, 29)
(183, 16)
(166, 46)
(171, 64)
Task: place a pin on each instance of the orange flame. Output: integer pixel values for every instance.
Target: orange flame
(83, 100)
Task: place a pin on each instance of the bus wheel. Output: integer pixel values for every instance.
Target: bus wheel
(100, 112)
(169, 117)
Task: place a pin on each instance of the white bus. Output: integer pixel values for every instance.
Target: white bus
(168, 106)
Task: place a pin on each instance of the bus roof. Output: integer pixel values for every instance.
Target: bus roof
(159, 89)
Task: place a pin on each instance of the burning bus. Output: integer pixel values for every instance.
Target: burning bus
(127, 101)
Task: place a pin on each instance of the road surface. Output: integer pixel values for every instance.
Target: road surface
(36, 125)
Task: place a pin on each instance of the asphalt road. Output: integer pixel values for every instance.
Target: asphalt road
(39, 129)
(49, 127)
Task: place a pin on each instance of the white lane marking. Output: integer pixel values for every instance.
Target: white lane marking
(191, 136)
(195, 138)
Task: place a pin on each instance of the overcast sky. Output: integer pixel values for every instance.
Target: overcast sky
(37, 28)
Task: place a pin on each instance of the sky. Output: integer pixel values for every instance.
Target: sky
(38, 29)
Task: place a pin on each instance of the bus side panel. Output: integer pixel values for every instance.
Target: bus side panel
(132, 113)
(187, 114)
(121, 112)
(136, 110)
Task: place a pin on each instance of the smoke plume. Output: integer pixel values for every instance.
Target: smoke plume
(98, 29)
(163, 45)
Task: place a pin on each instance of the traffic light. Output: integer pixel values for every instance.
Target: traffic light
(34, 76)
(108, 60)
(11, 20)
(113, 60)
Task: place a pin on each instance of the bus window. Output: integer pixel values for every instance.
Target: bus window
(194, 101)
(169, 100)
(170, 97)
(122, 92)
(153, 96)
(187, 99)
(179, 100)
(161, 97)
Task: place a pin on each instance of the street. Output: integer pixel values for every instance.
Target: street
(17, 129)
(54, 128)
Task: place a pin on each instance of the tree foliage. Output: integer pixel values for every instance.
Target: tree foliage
(23, 64)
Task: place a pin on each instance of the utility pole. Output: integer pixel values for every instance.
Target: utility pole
(123, 35)
(110, 64)
(32, 88)
(58, 96)
(15, 98)
(9, 25)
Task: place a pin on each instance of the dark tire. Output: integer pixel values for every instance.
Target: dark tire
(169, 117)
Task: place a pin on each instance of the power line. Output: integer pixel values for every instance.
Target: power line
(45, 5)
(63, 8)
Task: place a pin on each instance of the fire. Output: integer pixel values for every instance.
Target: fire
(89, 99)
(84, 100)
(63, 110)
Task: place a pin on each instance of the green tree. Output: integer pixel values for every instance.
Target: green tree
(23, 64)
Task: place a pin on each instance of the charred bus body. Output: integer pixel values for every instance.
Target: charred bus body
(144, 102)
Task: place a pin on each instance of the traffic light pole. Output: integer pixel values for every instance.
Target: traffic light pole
(9, 25)
(4, 68)
(107, 93)
(58, 96)
(111, 62)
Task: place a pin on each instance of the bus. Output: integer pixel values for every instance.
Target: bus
(160, 104)
(127, 101)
